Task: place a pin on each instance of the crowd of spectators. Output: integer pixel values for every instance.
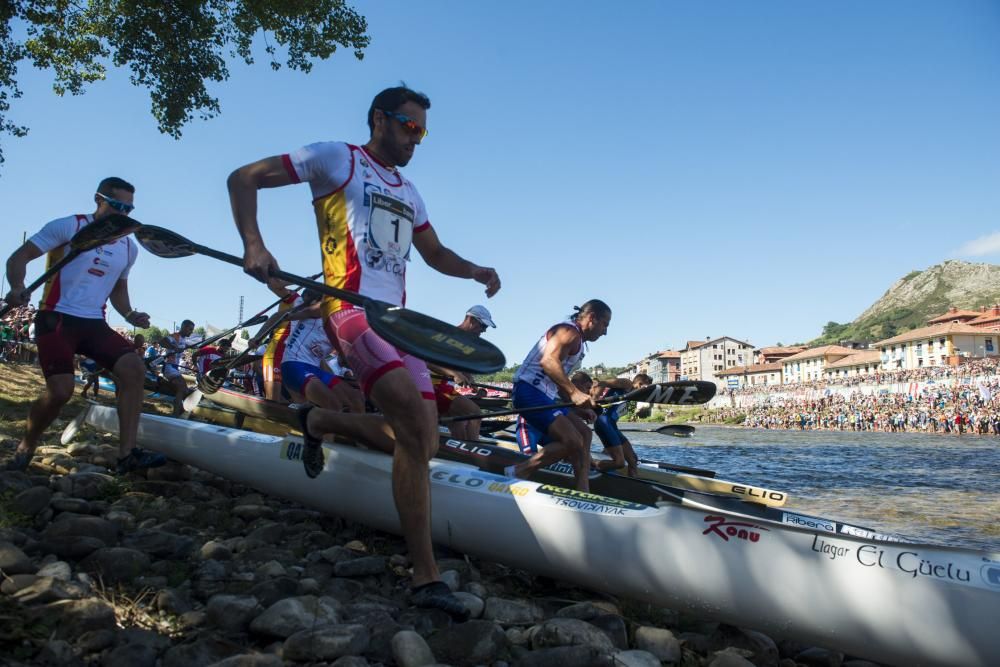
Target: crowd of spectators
(961, 399)
(17, 331)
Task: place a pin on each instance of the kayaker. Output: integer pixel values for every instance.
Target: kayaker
(275, 350)
(449, 402)
(205, 356)
(174, 344)
(302, 371)
(91, 373)
(543, 379)
(70, 320)
(369, 215)
(616, 445)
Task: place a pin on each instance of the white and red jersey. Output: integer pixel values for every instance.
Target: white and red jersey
(206, 356)
(82, 287)
(307, 342)
(531, 370)
(367, 215)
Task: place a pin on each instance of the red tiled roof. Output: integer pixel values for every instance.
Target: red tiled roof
(862, 357)
(954, 314)
(819, 352)
(950, 328)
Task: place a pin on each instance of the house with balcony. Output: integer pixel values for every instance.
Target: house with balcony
(755, 375)
(863, 362)
(704, 360)
(936, 345)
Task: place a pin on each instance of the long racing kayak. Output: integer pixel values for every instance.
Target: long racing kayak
(894, 602)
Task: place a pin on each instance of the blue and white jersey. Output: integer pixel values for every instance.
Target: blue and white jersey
(531, 370)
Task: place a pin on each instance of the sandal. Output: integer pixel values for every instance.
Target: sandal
(312, 447)
(437, 595)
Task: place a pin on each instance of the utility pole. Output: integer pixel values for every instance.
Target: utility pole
(240, 319)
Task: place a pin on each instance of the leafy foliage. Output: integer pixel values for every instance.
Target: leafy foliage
(171, 48)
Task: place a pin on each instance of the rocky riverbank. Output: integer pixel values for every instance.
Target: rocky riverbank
(180, 568)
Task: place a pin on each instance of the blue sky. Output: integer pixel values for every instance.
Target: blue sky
(730, 168)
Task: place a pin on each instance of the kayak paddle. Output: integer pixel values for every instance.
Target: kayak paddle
(684, 392)
(423, 336)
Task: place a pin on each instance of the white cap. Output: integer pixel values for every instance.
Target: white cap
(480, 313)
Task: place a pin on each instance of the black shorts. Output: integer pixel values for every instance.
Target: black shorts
(60, 336)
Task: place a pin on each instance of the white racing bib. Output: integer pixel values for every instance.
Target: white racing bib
(390, 226)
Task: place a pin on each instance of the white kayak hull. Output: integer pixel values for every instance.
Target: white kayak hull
(891, 602)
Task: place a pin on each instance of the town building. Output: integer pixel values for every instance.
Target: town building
(863, 362)
(770, 355)
(703, 360)
(936, 345)
(755, 375)
(954, 315)
(989, 319)
(808, 365)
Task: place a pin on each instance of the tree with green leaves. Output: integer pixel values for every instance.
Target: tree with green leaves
(170, 48)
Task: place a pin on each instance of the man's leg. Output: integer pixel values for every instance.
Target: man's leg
(58, 391)
(414, 421)
(129, 373)
(565, 442)
(464, 430)
(180, 393)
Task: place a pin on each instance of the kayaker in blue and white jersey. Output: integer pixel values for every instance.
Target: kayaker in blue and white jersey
(616, 445)
(543, 379)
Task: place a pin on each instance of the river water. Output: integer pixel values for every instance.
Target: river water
(937, 489)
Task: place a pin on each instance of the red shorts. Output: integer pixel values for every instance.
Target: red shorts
(369, 356)
(60, 336)
(444, 394)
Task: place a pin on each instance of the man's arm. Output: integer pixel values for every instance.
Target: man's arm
(615, 383)
(121, 302)
(243, 185)
(557, 348)
(17, 265)
(448, 262)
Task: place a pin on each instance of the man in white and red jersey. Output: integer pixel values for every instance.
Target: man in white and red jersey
(205, 356)
(369, 216)
(543, 380)
(449, 402)
(70, 320)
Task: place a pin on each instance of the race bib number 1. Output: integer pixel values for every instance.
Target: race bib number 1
(390, 226)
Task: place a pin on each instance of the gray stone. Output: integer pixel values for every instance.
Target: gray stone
(57, 570)
(336, 554)
(14, 561)
(271, 569)
(577, 656)
(70, 504)
(726, 659)
(171, 601)
(190, 620)
(131, 655)
(215, 551)
(200, 653)
(286, 617)
(270, 591)
(350, 661)
(171, 472)
(71, 547)
(72, 618)
(614, 627)
(411, 650)
(49, 589)
(471, 643)
(326, 643)
(116, 564)
(474, 604)
(581, 610)
(269, 533)
(382, 628)
(635, 659)
(232, 613)
(160, 544)
(86, 485)
(58, 653)
(360, 567)
(820, 657)
(512, 612)
(31, 501)
(453, 579)
(250, 660)
(569, 632)
(659, 642)
(16, 582)
(81, 449)
(251, 512)
(95, 640)
(73, 525)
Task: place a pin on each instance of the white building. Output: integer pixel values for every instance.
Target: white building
(703, 360)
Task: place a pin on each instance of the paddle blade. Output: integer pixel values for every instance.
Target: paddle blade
(164, 243)
(101, 232)
(679, 430)
(684, 392)
(433, 340)
(254, 321)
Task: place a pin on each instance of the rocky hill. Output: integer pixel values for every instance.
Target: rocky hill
(918, 296)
